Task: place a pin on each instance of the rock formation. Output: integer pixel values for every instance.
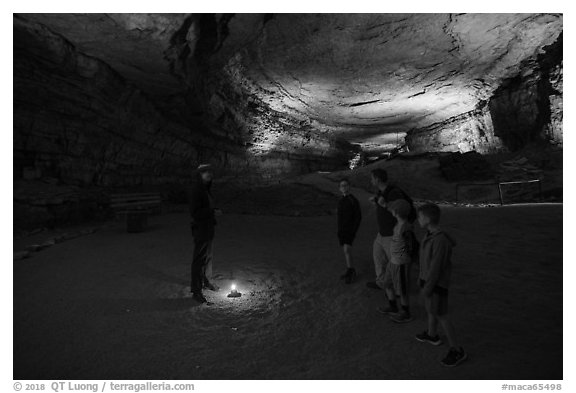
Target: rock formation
(117, 100)
(470, 131)
(528, 107)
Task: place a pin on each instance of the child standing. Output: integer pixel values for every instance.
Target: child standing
(397, 276)
(349, 217)
(435, 272)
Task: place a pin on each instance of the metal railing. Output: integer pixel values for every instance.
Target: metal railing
(520, 182)
(499, 185)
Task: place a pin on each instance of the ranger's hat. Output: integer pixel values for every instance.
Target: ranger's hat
(204, 168)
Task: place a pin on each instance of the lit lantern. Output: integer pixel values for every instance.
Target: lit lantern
(234, 292)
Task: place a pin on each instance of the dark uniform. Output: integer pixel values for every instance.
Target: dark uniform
(202, 224)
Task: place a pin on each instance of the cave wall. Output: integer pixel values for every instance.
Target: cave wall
(525, 109)
(268, 133)
(248, 89)
(77, 120)
(366, 76)
(554, 130)
(466, 132)
(82, 131)
(528, 108)
(214, 61)
(263, 97)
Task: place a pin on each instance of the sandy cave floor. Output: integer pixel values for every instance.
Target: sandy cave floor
(115, 305)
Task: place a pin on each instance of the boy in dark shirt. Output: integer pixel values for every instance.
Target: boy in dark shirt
(349, 217)
(435, 271)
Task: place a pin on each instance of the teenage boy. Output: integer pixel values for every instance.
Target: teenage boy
(435, 271)
(349, 217)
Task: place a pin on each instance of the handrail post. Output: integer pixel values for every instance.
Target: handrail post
(457, 184)
(540, 190)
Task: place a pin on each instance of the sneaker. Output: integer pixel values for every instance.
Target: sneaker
(401, 317)
(210, 286)
(199, 298)
(388, 310)
(350, 276)
(372, 284)
(454, 357)
(426, 338)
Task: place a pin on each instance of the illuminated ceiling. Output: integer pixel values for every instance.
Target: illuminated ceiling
(365, 77)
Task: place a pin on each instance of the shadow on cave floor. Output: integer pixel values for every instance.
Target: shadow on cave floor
(114, 305)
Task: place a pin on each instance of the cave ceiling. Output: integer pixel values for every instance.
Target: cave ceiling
(364, 77)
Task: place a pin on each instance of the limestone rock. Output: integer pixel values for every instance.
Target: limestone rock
(555, 128)
(285, 82)
(471, 131)
(97, 128)
(528, 108)
(134, 101)
(366, 76)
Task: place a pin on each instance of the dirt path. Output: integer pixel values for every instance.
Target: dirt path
(116, 305)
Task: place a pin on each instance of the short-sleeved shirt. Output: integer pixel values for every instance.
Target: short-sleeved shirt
(399, 253)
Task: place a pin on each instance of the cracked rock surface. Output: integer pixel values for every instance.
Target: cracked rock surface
(363, 77)
(277, 89)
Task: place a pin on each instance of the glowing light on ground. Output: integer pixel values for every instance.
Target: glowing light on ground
(234, 292)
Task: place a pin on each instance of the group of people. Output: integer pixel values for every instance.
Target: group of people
(395, 249)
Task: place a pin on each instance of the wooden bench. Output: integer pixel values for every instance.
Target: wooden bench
(136, 207)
